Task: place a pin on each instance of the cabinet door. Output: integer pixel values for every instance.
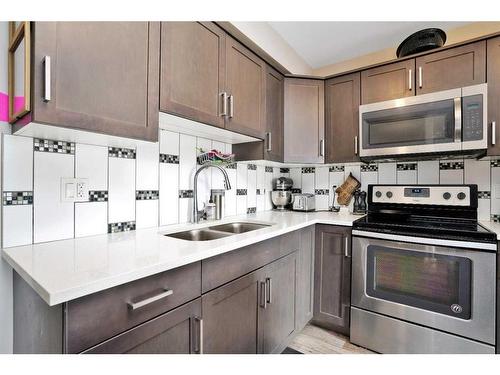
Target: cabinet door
(103, 76)
(332, 280)
(245, 77)
(305, 278)
(176, 332)
(230, 317)
(192, 70)
(277, 317)
(493, 77)
(452, 68)
(274, 115)
(388, 82)
(304, 127)
(342, 118)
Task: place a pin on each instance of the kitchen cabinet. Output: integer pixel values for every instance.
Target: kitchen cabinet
(193, 71)
(451, 68)
(96, 76)
(388, 82)
(176, 332)
(304, 121)
(342, 96)
(332, 279)
(305, 277)
(493, 79)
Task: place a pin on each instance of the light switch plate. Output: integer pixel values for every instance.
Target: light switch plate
(74, 189)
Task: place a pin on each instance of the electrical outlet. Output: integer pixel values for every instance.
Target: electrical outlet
(74, 189)
(82, 190)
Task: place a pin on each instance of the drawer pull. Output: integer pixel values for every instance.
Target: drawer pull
(147, 301)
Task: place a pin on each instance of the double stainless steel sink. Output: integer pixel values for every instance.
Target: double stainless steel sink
(217, 231)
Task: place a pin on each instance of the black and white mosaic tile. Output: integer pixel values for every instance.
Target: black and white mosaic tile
(231, 166)
(484, 194)
(406, 166)
(336, 168)
(251, 167)
(17, 198)
(451, 165)
(241, 191)
(186, 194)
(369, 167)
(308, 169)
(495, 218)
(321, 191)
(145, 195)
(117, 152)
(58, 147)
(269, 169)
(260, 191)
(284, 170)
(98, 195)
(125, 226)
(495, 163)
(169, 159)
(296, 191)
(251, 210)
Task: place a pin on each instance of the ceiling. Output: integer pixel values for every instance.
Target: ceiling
(325, 43)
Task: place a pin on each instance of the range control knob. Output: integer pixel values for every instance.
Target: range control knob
(461, 195)
(378, 194)
(389, 194)
(446, 195)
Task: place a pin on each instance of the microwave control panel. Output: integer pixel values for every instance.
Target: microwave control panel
(472, 118)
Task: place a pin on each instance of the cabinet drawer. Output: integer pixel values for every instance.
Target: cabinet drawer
(226, 267)
(100, 316)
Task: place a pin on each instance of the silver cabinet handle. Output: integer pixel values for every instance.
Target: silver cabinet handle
(420, 76)
(199, 341)
(47, 79)
(269, 142)
(355, 145)
(269, 292)
(263, 297)
(322, 147)
(409, 79)
(493, 133)
(223, 96)
(231, 106)
(346, 250)
(147, 301)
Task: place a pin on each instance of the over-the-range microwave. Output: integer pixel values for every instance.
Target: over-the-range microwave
(445, 122)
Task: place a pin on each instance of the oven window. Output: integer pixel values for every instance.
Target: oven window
(434, 282)
(414, 125)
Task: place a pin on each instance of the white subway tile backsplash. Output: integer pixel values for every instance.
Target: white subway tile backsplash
(368, 178)
(17, 163)
(477, 172)
(451, 172)
(187, 161)
(17, 225)
(406, 173)
(53, 219)
(146, 213)
(169, 194)
(308, 184)
(205, 176)
(428, 172)
(252, 188)
(121, 196)
(91, 218)
(296, 176)
(230, 195)
(169, 142)
(91, 162)
(147, 160)
(186, 210)
(321, 178)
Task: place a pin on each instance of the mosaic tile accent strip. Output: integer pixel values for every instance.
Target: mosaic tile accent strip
(260, 191)
(145, 195)
(369, 167)
(495, 163)
(308, 169)
(17, 198)
(484, 194)
(231, 166)
(98, 195)
(451, 165)
(125, 226)
(495, 218)
(241, 191)
(321, 191)
(337, 168)
(169, 159)
(406, 166)
(117, 152)
(269, 169)
(186, 194)
(284, 170)
(58, 147)
(251, 210)
(296, 191)
(251, 167)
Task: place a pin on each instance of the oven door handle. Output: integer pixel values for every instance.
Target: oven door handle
(458, 119)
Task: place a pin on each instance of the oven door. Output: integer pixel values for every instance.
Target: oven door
(446, 288)
(422, 124)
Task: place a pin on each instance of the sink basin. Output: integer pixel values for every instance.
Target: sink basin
(239, 227)
(198, 235)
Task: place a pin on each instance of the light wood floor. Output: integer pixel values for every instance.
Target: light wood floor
(315, 340)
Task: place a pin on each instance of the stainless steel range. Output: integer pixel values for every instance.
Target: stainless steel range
(423, 272)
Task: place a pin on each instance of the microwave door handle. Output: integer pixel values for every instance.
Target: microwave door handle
(458, 119)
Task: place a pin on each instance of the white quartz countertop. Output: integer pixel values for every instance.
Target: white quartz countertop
(492, 226)
(61, 271)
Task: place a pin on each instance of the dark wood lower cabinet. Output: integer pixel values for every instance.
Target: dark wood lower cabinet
(332, 279)
(176, 332)
(305, 277)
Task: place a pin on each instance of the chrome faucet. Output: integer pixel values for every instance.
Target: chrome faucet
(227, 185)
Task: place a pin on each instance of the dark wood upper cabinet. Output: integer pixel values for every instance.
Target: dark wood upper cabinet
(342, 118)
(193, 71)
(451, 68)
(493, 79)
(245, 81)
(304, 119)
(332, 285)
(273, 143)
(103, 77)
(388, 82)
